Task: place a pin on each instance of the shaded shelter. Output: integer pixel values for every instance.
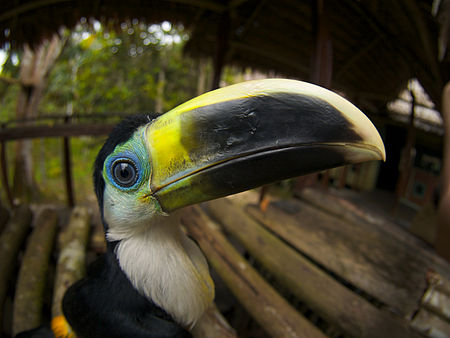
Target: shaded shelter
(377, 46)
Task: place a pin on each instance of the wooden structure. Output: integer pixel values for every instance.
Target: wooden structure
(371, 48)
(306, 268)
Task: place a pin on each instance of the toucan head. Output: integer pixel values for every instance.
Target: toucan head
(226, 141)
(223, 142)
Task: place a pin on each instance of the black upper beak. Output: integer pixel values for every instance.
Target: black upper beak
(254, 133)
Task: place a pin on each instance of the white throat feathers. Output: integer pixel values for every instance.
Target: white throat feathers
(168, 268)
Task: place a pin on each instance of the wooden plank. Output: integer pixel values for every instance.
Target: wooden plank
(393, 235)
(430, 324)
(57, 130)
(366, 258)
(437, 302)
(330, 299)
(71, 267)
(263, 303)
(30, 287)
(11, 240)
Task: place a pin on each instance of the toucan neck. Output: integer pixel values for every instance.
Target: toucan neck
(168, 268)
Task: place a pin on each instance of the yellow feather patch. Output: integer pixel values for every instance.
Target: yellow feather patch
(61, 328)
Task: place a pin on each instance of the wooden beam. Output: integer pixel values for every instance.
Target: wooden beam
(68, 169)
(443, 232)
(28, 7)
(214, 6)
(276, 57)
(222, 36)
(406, 160)
(58, 130)
(236, 3)
(322, 58)
(5, 179)
(360, 53)
(248, 24)
(223, 32)
(424, 36)
(264, 304)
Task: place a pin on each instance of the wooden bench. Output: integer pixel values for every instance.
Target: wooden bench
(314, 266)
(356, 272)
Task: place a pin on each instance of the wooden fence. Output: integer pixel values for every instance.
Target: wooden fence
(57, 126)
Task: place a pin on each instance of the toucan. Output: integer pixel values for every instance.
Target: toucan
(153, 280)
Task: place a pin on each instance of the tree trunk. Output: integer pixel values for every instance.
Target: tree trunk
(34, 70)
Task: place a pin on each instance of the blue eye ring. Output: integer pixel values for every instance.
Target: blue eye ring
(124, 172)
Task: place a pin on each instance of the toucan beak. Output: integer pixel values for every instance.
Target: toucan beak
(257, 132)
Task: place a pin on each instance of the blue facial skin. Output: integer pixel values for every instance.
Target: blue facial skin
(135, 154)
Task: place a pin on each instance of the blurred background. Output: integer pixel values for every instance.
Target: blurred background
(70, 70)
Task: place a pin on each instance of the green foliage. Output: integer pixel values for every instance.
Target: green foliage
(117, 71)
(103, 70)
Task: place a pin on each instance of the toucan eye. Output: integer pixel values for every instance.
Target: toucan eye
(124, 173)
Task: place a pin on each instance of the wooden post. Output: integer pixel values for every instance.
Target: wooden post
(322, 58)
(68, 168)
(5, 180)
(221, 50)
(321, 65)
(405, 164)
(443, 231)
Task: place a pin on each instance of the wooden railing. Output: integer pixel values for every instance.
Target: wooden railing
(60, 126)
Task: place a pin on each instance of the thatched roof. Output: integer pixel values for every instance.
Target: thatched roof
(377, 46)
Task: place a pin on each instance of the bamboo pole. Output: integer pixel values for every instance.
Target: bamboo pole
(213, 324)
(71, 261)
(264, 304)
(330, 299)
(30, 287)
(11, 240)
